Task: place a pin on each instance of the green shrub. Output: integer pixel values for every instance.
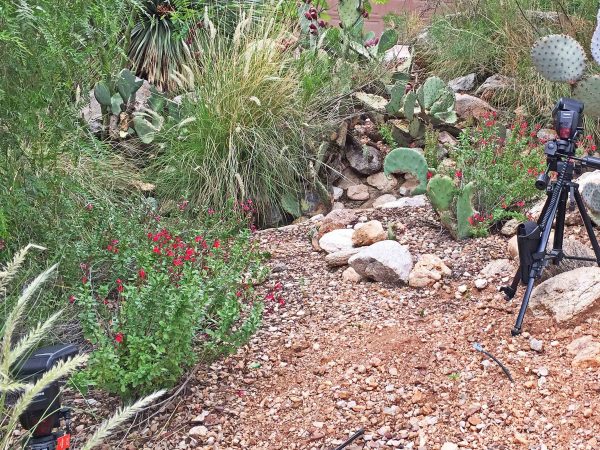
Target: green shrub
(159, 296)
(503, 169)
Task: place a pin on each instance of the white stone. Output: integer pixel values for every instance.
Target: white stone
(340, 258)
(386, 261)
(568, 294)
(589, 186)
(383, 199)
(337, 240)
(382, 182)
(351, 275)
(481, 283)
(337, 192)
(406, 202)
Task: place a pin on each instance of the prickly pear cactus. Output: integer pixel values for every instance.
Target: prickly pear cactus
(559, 57)
(464, 210)
(396, 96)
(408, 160)
(441, 192)
(453, 206)
(437, 100)
(588, 92)
(596, 40)
(351, 16)
(102, 94)
(128, 85)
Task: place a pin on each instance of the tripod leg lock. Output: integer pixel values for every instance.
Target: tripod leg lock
(509, 292)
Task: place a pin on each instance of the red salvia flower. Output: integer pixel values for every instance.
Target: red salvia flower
(119, 338)
(216, 244)
(142, 274)
(72, 299)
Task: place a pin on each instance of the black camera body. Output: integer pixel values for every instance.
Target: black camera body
(568, 118)
(44, 413)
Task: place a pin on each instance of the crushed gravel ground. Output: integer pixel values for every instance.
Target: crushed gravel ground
(395, 361)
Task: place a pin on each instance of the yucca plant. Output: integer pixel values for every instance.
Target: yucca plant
(161, 38)
(14, 348)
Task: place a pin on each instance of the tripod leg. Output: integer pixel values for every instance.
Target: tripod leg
(519, 323)
(559, 229)
(588, 225)
(540, 254)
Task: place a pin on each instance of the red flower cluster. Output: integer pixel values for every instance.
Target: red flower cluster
(112, 247)
(275, 294)
(119, 338)
(477, 218)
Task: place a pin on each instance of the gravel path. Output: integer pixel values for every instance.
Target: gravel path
(396, 361)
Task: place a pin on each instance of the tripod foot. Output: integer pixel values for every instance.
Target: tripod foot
(509, 292)
(515, 331)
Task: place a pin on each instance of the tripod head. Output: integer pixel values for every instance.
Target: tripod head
(567, 116)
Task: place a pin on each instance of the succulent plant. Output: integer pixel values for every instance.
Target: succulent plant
(560, 58)
(453, 205)
(432, 103)
(120, 104)
(408, 160)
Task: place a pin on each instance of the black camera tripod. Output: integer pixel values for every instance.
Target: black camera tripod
(533, 237)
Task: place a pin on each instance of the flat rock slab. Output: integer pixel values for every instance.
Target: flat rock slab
(340, 258)
(406, 202)
(385, 261)
(568, 295)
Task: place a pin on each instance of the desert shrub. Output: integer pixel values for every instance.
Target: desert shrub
(13, 351)
(158, 295)
(503, 167)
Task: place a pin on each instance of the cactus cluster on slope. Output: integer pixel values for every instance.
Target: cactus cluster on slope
(452, 203)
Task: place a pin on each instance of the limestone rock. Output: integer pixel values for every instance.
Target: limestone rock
(497, 267)
(568, 295)
(588, 356)
(589, 186)
(371, 101)
(335, 220)
(406, 202)
(340, 258)
(463, 84)
(427, 271)
(468, 106)
(510, 227)
(408, 187)
(447, 139)
(386, 261)
(358, 192)
(494, 84)
(364, 159)
(351, 275)
(368, 234)
(383, 199)
(337, 240)
(579, 344)
(449, 446)
(513, 248)
(382, 182)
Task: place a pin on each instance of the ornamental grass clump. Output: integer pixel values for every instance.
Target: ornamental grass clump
(246, 123)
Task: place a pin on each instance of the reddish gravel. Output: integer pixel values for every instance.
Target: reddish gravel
(396, 361)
